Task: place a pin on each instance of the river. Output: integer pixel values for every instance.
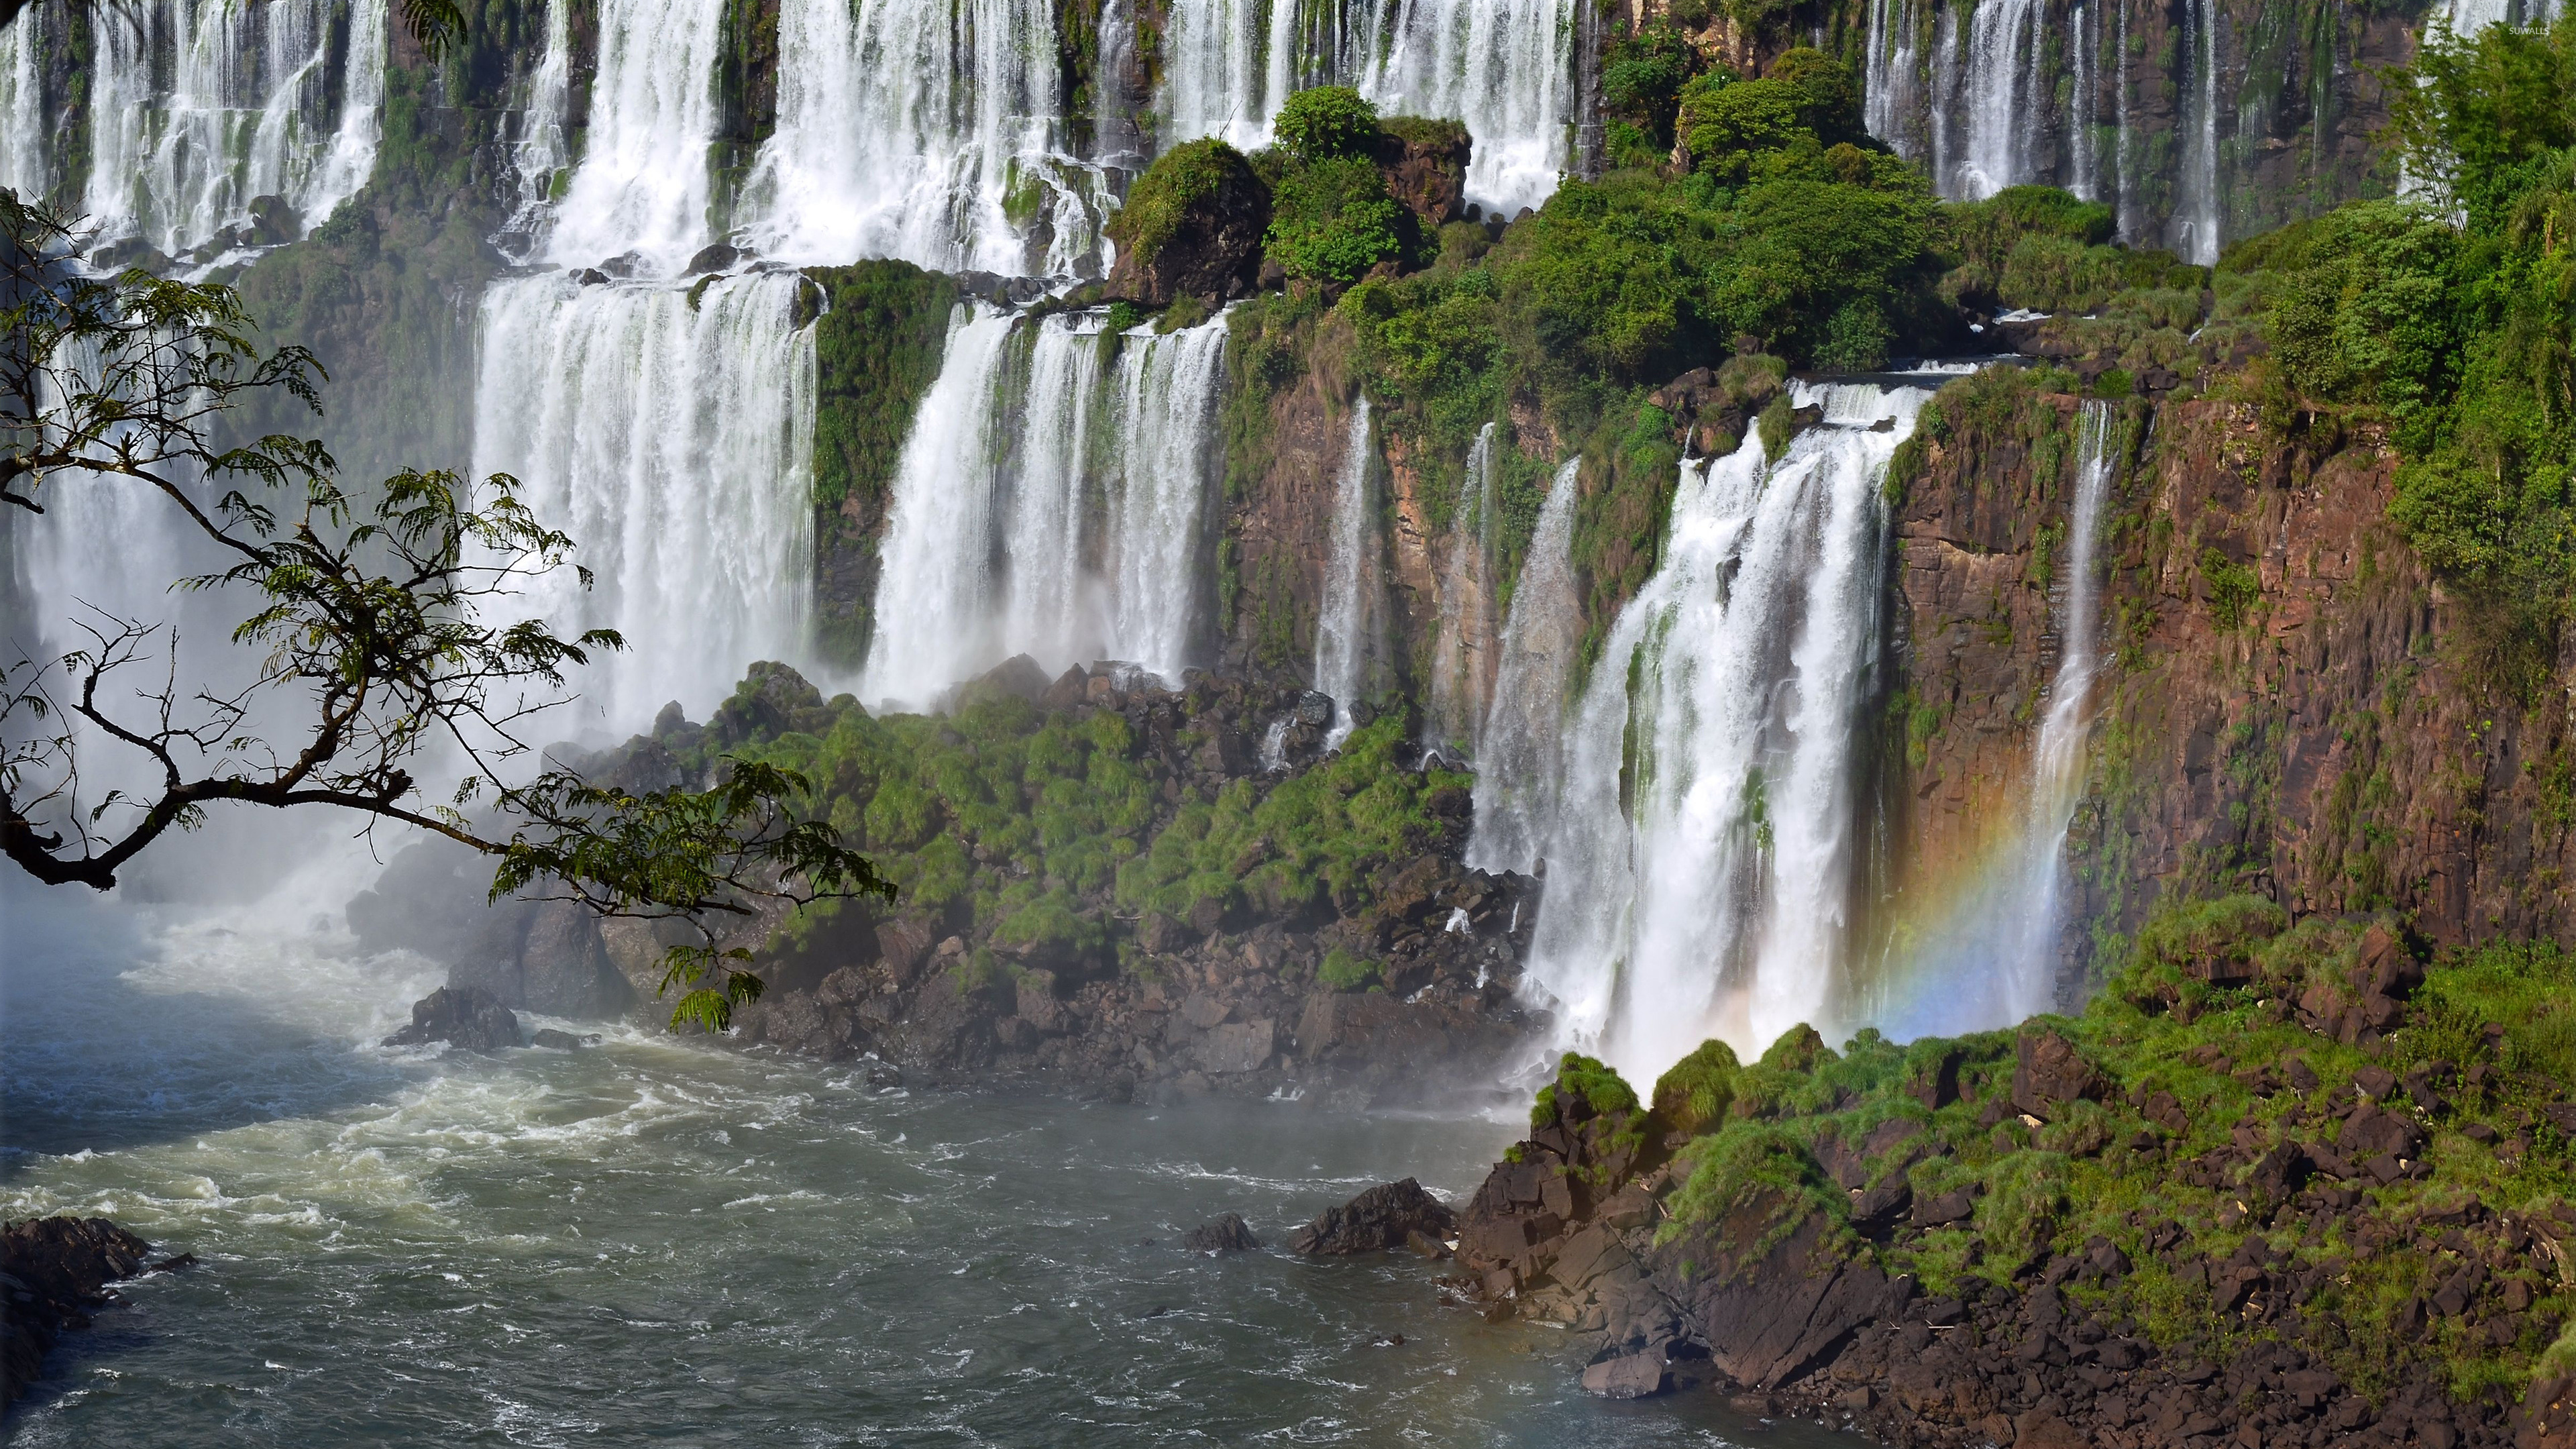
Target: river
(658, 1240)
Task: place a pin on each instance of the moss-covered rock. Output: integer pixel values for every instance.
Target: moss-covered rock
(1192, 226)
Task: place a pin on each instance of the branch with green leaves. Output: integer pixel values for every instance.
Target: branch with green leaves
(378, 633)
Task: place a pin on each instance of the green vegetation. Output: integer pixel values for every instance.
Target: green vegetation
(1037, 829)
(1343, 971)
(2451, 320)
(1325, 123)
(1331, 220)
(1161, 199)
(2204, 1066)
(877, 349)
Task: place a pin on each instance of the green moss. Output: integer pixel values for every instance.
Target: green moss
(1332, 220)
(1344, 971)
(1180, 179)
(877, 349)
(1693, 1097)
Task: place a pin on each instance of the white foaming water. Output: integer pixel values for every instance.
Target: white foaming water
(1461, 667)
(197, 107)
(994, 545)
(26, 160)
(1505, 67)
(674, 443)
(1701, 861)
(1995, 962)
(1225, 72)
(1991, 75)
(2468, 17)
(1892, 86)
(924, 130)
(1343, 616)
(642, 184)
(545, 144)
(2081, 39)
(1520, 751)
(2195, 227)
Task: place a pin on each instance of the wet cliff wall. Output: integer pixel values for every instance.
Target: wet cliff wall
(2290, 703)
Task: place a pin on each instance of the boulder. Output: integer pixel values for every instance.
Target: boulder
(2049, 1074)
(1192, 227)
(468, 1018)
(1629, 1376)
(1377, 1219)
(1018, 677)
(563, 1041)
(56, 1270)
(714, 257)
(1425, 166)
(1227, 1234)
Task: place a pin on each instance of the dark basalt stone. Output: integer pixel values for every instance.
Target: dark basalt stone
(1380, 1218)
(54, 1272)
(468, 1018)
(1227, 1234)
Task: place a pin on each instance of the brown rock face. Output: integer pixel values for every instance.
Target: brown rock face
(1214, 253)
(2050, 1075)
(57, 1271)
(1425, 164)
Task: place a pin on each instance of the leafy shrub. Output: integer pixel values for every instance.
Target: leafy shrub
(1326, 122)
(1332, 220)
(1642, 76)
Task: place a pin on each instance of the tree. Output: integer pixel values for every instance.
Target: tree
(374, 636)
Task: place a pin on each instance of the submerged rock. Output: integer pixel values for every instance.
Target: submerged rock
(468, 1018)
(1383, 1217)
(1227, 1234)
(563, 1041)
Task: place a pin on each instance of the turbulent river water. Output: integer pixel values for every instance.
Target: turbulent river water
(660, 1241)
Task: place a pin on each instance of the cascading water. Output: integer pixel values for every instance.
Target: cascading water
(642, 184)
(1892, 86)
(2194, 230)
(1520, 750)
(671, 436)
(1460, 672)
(1229, 65)
(1994, 79)
(1046, 505)
(1504, 67)
(1702, 856)
(1993, 960)
(924, 130)
(198, 107)
(26, 163)
(1343, 616)
(2468, 17)
(544, 146)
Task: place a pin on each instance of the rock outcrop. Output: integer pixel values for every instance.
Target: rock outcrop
(55, 1272)
(1192, 227)
(468, 1018)
(1228, 1234)
(1389, 1215)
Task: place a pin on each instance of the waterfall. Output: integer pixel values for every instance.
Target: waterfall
(672, 437)
(2123, 147)
(921, 129)
(1228, 67)
(1520, 750)
(1701, 861)
(1343, 615)
(544, 146)
(26, 165)
(199, 107)
(2468, 17)
(1458, 671)
(1046, 505)
(2081, 108)
(642, 184)
(1892, 89)
(1505, 67)
(1993, 75)
(2194, 228)
(1992, 960)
